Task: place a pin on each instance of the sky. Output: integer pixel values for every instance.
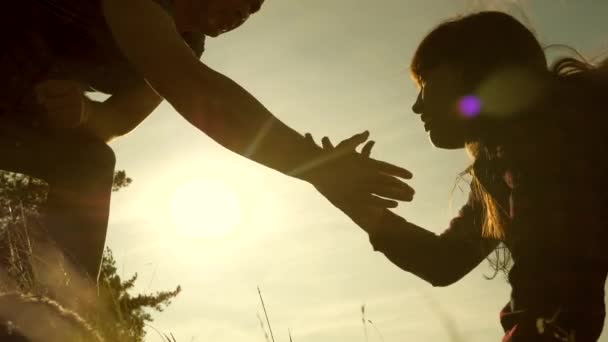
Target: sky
(220, 226)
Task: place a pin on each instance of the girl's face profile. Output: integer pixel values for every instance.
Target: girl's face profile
(444, 106)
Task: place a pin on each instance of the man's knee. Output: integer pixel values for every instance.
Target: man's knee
(100, 163)
(102, 155)
(86, 160)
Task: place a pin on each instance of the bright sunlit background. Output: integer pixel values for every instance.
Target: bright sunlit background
(218, 225)
(202, 208)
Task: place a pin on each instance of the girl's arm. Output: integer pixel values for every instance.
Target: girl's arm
(439, 259)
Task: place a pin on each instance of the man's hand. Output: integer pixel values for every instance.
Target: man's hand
(360, 186)
(64, 102)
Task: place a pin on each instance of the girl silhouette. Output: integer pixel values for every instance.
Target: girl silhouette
(538, 178)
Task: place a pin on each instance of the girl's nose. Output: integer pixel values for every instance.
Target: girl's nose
(418, 105)
(256, 5)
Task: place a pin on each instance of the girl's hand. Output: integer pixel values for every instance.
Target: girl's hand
(64, 101)
(365, 200)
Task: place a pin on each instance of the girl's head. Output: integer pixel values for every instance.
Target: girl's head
(456, 59)
(476, 71)
(214, 17)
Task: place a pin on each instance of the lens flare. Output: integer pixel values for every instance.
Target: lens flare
(469, 106)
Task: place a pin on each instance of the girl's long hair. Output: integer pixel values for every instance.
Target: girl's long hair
(583, 85)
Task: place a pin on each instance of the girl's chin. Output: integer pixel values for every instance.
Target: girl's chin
(446, 140)
(212, 33)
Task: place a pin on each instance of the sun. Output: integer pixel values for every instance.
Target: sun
(205, 208)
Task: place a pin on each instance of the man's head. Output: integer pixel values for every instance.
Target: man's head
(214, 17)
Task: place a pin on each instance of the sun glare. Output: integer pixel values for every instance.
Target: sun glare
(205, 208)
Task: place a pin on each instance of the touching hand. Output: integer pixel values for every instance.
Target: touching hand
(357, 184)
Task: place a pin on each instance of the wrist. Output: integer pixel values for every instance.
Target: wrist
(307, 168)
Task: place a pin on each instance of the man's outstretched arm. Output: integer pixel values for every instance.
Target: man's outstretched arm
(207, 99)
(214, 103)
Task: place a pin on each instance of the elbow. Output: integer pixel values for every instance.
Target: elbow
(110, 133)
(441, 275)
(123, 128)
(100, 133)
(107, 122)
(438, 279)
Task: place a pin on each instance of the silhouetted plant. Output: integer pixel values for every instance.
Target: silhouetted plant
(119, 316)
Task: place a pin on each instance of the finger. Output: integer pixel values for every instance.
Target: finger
(391, 169)
(373, 201)
(308, 138)
(393, 194)
(392, 188)
(354, 141)
(327, 143)
(376, 201)
(367, 148)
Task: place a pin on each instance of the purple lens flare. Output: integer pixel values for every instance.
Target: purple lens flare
(469, 106)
